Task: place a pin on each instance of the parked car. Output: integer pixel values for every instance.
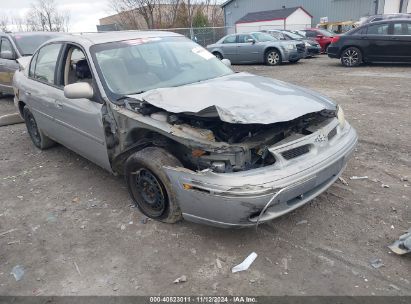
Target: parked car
(323, 37)
(388, 40)
(381, 17)
(194, 139)
(257, 47)
(14, 47)
(312, 47)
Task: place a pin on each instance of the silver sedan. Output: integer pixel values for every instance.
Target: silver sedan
(257, 47)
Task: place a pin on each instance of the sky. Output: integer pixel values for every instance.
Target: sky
(84, 14)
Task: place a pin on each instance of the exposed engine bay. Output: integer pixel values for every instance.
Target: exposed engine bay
(250, 140)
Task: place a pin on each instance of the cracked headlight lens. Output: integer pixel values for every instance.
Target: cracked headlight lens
(340, 116)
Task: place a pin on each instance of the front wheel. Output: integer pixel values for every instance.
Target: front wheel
(273, 57)
(149, 185)
(351, 57)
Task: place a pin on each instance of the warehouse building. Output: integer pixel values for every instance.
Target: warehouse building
(330, 10)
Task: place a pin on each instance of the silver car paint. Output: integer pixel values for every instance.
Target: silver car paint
(233, 199)
(252, 52)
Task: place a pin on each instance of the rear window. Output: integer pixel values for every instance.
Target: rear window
(27, 44)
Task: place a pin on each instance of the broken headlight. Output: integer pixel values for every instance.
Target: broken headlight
(340, 116)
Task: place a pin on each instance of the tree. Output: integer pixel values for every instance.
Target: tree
(4, 23)
(129, 12)
(44, 16)
(200, 19)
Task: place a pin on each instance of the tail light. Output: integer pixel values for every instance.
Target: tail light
(335, 39)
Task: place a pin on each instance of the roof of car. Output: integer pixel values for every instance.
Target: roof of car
(57, 34)
(105, 37)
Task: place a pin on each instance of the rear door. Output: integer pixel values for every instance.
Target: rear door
(401, 41)
(247, 51)
(379, 43)
(7, 66)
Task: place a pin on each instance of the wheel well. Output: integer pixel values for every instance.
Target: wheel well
(138, 139)
(348, 46)
(217, 52)
(272, 49)
(21, 105)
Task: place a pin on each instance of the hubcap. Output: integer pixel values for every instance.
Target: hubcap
(152, 197)
(351, 57)
(273, 58)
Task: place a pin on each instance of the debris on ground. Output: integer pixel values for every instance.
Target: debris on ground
(181, 279)
(358, 177)
(342, 180)
(376, 263)
(76, 200)
(123, 227)
(384, 186)
(404, 178)
(18, 272)
(77, 268)
(246, 263)
(7, 232)
(219, 265)
(403, 244)
(302, 222)
(144, 220)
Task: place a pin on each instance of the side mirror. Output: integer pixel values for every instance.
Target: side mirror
(7, 55)
(78, 90)
(251, 40)
(226, 62)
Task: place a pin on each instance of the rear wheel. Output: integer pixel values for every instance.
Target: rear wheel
(149, 186)
(351, 57)
(218, 55)
(39, 139)
(273, 57)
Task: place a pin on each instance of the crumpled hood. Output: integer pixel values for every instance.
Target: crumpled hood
(239, 98)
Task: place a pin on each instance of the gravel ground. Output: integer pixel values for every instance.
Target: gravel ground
(73, 230)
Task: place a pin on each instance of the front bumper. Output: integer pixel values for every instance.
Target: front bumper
(237, 199)
(313, 50)
(292, 55)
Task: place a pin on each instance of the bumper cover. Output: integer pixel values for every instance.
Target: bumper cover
(238, 199)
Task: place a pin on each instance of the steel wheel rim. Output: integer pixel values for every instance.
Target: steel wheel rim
(273, 58)
(33, 130)
(351, 57)
(150, 192)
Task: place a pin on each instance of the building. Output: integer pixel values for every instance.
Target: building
(162, 16)
(331, 10)
(290, 18)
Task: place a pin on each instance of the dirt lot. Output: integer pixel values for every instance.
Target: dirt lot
(75, 232)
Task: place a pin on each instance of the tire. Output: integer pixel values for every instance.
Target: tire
(218, 55)
(39, 139)
(273, 57)
(149, 186)
(351, 57)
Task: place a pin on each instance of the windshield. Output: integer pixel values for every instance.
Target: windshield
(263, 37)
(325, 33)
(28, 44)
(292, 35)
(138, 65)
